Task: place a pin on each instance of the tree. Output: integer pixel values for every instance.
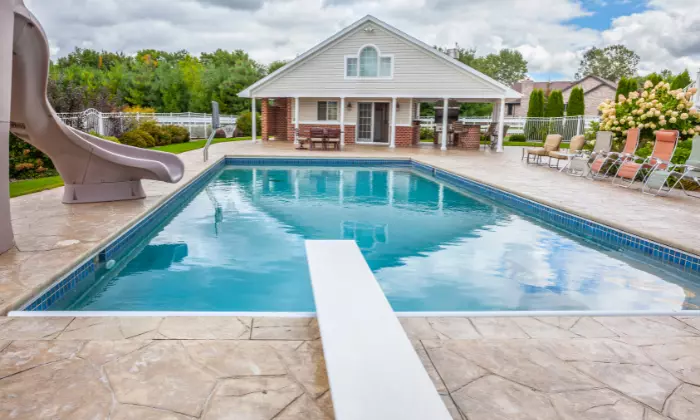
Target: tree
(654, 78)
(622, 86)
(681, 81)
(275, 65)
(632, 85)
(576, 105)
(508, 66)
(612, 63)
(536, 104)
(555, 105)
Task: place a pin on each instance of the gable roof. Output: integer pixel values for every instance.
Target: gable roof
(600, 79)
(247, 92)
(556, 85)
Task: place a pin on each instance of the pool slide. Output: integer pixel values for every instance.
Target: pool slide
(93, 169)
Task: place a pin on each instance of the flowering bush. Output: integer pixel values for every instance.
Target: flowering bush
(657, 107)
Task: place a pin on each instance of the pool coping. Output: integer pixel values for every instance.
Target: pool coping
(87, 260)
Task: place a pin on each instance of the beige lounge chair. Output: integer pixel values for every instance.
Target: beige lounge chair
(551, 144)
(575, 147)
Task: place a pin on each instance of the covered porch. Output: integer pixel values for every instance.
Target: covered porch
(376, 120)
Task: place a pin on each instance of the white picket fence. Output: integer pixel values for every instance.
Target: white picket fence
(535, 129)
(115, 123)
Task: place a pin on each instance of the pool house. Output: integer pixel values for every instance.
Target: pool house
(369, 80)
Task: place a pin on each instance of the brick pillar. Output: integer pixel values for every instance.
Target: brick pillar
(265, 120)
(290, 124)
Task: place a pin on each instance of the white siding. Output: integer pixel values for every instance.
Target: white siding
(416, 73)
(308, 110)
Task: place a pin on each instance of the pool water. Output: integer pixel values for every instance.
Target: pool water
(238, 245)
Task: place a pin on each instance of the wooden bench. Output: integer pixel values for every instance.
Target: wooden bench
(373, 370)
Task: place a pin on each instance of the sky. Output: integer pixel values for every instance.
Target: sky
(551, 34)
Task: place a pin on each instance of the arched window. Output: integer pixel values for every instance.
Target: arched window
(369, 62)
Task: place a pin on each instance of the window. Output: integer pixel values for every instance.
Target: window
(369, 63)
(327, 110)
(385, 67)
(511, 109)
(351, 67)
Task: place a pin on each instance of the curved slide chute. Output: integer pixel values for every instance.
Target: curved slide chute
(92, 169)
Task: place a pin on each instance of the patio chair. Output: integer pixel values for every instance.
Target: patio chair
(603, 163)
(332, 138)
(661, 180)
(602, 146)
(660, 158)
(575, 146)
(494, 138)
(551, 144)
(317, 135)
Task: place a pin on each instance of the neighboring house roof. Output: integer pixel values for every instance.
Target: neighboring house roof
(247, 92)
(590, 76)
(556, 85)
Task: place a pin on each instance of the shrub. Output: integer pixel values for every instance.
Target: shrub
(139, 109)
(517, 138)
(160, 134)
(426, 133)
(555, 105)
(681, 81)
(245, 124)
(138, 138)
(220, 134)
(27, 162)
(576, 105)
(536, 104)
(178, 134)
(110, 138)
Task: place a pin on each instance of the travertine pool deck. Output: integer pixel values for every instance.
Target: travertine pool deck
(177, 368)
(52, 237)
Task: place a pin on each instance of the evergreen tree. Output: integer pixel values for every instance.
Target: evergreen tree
(655, 78)
(622, 88)
(536, 104)
(576, 105)
(555, 105)
(681, 81)
(632, 86)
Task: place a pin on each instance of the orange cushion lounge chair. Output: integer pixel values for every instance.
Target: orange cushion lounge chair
(551, 144)
(604, 162)
(660, 158)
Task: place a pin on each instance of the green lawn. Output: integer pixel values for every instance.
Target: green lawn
(29, 186)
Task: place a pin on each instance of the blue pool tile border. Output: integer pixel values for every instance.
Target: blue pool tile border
(571, 223)
(121, 244)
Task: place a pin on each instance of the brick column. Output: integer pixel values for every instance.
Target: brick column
(265, 120)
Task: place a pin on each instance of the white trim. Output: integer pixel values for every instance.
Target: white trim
(445, 112)
(296, 120)
(342, 122)
(501, 117)
(253, 119)
(406, 314)
(392, 129)
(427, 97)
(78, 314)
(246, 93)
(327, 122)
(337, 104)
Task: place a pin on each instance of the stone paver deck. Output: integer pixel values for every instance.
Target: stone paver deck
(52, 237)
(181, 368)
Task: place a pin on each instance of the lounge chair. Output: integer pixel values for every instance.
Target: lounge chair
(575, 147)
(603, 143)
(603, 163)
(660, 158)
(661, 180)
(332, 138)
(317, 135)
(551, 144)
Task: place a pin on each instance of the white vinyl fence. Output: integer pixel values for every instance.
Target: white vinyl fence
(534, 129)
(116, 123)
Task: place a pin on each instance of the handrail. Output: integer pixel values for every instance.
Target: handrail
(207, 144)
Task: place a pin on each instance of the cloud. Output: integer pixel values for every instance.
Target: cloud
(666, 34)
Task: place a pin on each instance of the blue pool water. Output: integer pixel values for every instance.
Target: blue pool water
(238, 245)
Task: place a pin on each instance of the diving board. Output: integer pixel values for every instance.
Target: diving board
(373, 371)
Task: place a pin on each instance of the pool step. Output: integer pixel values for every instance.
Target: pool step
(373, 371)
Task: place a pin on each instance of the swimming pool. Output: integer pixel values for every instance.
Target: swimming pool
(237, 244)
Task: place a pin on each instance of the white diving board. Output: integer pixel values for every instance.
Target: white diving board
(373, 370)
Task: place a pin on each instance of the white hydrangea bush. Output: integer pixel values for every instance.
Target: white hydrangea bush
(655, 108)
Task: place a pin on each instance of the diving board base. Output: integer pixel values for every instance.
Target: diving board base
(373, 370)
